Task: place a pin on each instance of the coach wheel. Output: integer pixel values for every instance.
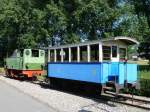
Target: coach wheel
(99, 89)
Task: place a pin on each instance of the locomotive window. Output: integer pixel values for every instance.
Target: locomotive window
(114, 51)
(106, 52)
(66, 54)
(52, 56)
(74, 54)
(35, 53)
(94, 52)
(83, 53)
(122, 52)
(58, 55)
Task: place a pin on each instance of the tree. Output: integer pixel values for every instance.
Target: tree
(32, 23)
(142, 8)
(130, 24)
(56, 22)
(95, 18)
(22, 21)
(144, 50)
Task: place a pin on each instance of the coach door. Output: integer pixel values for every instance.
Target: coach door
(114, 53)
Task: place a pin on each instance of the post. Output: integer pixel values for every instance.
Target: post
(49, 55)
(69, 54)
(88, 53)
(55, 55)
(78, 53)
(100, 52)
(62, 55)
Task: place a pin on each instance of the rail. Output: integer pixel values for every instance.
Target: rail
(131, 100)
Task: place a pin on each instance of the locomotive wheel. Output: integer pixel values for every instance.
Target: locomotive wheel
(12, 74)
(7, 73)
(34, 78)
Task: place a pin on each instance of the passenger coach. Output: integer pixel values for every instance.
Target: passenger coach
(102, 62)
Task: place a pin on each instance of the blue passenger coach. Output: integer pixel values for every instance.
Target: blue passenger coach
(99, 62)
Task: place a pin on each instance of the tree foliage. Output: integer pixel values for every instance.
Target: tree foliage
(32, 23)
(144, 50)
(95, 18)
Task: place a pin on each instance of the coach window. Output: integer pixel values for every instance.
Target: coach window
(94, 53)
(122, 53)
(65, 54)
(114, 51)
(58, 55)
(35, 53)
(83, 53)
(74, 54)
(106, 53)
(52, 56)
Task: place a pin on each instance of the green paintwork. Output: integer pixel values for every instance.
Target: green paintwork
(25, 61)
(14, 63)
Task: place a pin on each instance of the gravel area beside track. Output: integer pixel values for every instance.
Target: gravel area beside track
(65, 102)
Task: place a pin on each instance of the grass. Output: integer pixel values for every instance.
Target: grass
(145, 75)
(1, 70)
(144, 71)
(140, 62)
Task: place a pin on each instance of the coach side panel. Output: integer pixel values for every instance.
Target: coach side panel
(75, 71)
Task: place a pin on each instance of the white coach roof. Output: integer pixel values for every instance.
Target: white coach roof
(127, 40)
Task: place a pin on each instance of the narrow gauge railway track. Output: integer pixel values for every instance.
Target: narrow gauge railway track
(135, 101)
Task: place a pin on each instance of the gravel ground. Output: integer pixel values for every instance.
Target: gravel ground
(65, 102)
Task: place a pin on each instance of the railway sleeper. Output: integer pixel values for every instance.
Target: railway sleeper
(132, 100)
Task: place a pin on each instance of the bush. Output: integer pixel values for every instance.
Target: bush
(144, 78)
(145, 87)
(1, 70)
(144, 74)
(144, 68)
